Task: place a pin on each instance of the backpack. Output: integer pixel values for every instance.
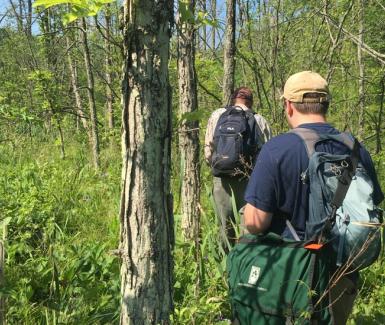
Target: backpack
(273, 280)
(235, 142)
(341, 208)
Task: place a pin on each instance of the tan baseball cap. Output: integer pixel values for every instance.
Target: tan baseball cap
(306, 82)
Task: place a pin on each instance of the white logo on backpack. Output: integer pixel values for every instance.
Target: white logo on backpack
(254, 275)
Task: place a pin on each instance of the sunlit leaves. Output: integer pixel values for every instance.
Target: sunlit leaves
(201, 18)
(77, 8)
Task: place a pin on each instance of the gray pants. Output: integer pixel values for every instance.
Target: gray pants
(343, 295)
(222, 193)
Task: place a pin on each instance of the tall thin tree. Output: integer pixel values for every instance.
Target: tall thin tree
(213, 17)
(29, 18)
(146, 206)
(75, 88)
(229, 52)
(91, 93)
(108, 67)
(189, 130)
(204, 27)
(361, 68)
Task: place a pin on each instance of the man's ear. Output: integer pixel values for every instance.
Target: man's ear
(290, 108)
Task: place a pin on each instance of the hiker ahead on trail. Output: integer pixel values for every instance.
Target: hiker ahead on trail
(278, 189)
(234, 136)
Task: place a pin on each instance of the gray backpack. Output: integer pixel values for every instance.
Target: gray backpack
(341, 208)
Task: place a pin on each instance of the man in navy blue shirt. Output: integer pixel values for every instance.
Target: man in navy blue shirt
(275, 191)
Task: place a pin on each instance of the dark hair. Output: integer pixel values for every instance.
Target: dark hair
(313, 107)
(243, 93)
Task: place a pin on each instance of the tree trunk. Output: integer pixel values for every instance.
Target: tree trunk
(74, 85)
(2, 299)
(361, 90)
(229, 52)
(29, 19)
(108, 65)
(91, 95)
(213, 16)
(146, 203)
(189, 131)
(379, 118)
(204, 27)
(19, 18)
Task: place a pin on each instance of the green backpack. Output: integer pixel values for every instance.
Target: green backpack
(277, 281)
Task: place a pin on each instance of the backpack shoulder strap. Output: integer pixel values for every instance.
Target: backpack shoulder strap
(309, 138)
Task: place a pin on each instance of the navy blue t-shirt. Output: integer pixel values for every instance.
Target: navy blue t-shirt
(275, 185)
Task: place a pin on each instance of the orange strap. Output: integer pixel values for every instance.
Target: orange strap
(314, 246)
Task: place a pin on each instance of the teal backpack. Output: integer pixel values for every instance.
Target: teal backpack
(341, 208)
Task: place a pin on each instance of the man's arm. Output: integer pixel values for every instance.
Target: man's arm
(209, 136)
(256, 220)
(265, 132)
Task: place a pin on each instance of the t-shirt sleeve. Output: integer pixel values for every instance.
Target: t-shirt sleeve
(209, 136)
(261, 190)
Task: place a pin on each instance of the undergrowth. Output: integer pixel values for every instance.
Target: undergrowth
(59, 222)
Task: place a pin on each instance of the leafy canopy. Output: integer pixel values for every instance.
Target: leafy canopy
(77, 8)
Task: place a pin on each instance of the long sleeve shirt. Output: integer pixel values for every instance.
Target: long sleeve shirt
(264, 133)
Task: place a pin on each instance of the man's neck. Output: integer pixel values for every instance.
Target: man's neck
(241, 105)
(309, 118)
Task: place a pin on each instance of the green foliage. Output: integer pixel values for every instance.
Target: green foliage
(60, 216)
(78, 8)
(201, 18)
(200, 289)
(59, 266)
(370, 302)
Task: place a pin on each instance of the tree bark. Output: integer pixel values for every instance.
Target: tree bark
(361, 85)
(108, 66)
(189, 130)
(146, 203)
(91, 95)
(380, 115)
(29, 19)
(204, 27)
(213, 17)
(229, 52)
(74, 85)
(2, 299)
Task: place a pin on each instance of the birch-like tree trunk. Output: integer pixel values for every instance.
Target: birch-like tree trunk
(361, 89)
(189, 130)
(146, 203)
(75, 89)
(108, 66)
(229, 52)
(91, 95)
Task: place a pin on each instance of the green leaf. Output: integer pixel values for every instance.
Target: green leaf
(69, 17)
(192, 116)
(79, 8)
(5, 221)
(185, 12)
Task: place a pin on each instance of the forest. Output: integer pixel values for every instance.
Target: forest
(104, 189)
